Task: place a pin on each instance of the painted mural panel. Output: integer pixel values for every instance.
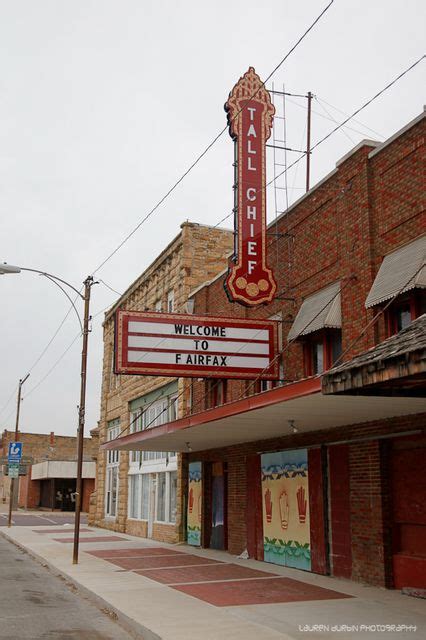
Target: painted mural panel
(195, 486)
(285, 500)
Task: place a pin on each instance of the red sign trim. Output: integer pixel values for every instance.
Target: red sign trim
(122, 365)
(250, 115)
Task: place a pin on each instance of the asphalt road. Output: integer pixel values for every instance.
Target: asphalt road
(36, 605)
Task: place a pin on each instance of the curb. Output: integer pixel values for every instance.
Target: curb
(128, 624)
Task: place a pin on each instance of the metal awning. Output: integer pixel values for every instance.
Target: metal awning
(264, 416)
(397, 269)
(322, 310)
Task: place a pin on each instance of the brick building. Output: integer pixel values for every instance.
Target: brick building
(292, 473)
(140, 493)
(49, 470)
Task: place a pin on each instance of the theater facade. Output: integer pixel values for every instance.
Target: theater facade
(320, 469)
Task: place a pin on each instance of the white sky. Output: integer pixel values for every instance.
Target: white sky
(104, 104)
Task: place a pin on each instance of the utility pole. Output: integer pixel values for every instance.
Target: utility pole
(308, 141)
(12, 485)
(81, 411)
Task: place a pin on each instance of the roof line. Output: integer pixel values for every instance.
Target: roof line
(399, 133)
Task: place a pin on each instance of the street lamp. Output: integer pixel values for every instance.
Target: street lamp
(88, 283)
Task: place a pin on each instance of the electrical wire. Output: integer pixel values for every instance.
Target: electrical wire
(331, 119)
(9, 399)
(327, 136)
(176, 184)
(376, 133)
(345, 133)
(210, 145)
(62, 356)
(366, 104)
(110, 288)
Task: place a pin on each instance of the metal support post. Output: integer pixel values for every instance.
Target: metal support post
(308, 142)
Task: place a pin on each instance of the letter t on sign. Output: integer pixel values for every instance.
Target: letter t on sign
(250, 115)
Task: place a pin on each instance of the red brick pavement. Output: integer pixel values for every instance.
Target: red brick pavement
(263, 591)
(93, 539)
(161, 561)
(134, 553)
(203, 573)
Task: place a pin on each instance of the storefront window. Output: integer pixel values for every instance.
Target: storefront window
(112, 458)
(172, 496)
(145, 496)
(134, 487)
(161, 497)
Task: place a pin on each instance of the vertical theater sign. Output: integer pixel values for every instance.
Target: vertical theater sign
(250, 115)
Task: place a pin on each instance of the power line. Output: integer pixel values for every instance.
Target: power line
(62, 356)
(366, 104)
(376, 133)
(330, 117)
(209, 146)
(342, 124)
(8, 400)
(319, 102)
(183, 176)
(377, 95)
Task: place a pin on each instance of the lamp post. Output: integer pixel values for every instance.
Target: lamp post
(12, 483)
(88, 283)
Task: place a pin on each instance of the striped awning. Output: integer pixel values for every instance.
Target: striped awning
(321, 310)
(400, 271)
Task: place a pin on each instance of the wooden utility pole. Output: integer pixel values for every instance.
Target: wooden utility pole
(81, 411)
(12, 482)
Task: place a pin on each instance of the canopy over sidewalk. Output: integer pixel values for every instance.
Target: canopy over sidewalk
(264, 416)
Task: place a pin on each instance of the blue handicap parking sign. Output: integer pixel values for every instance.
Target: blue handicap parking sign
(15, 451)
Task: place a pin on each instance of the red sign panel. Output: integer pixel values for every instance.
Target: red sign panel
(157, 344)
(250, 115)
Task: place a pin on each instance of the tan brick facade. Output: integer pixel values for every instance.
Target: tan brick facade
(197, 254)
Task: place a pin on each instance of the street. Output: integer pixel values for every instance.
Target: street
(36, 605)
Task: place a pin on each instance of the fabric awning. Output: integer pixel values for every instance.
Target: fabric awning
(397, 269)
(322, 310)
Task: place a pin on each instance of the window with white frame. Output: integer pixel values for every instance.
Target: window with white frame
(159, 306)
(152, 474)
(159, 412)
(170, 301)
(166, 497)
(112, 460)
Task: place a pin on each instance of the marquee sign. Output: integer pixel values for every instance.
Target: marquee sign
(250, 115)
(157, 344)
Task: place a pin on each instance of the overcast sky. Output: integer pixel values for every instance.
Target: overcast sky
(104, 104)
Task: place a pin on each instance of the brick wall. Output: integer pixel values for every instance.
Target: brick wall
(42, 446)
(367, 520)
(39, 447)
(340, 231)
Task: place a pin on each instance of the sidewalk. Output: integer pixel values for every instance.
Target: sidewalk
(176, 592)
